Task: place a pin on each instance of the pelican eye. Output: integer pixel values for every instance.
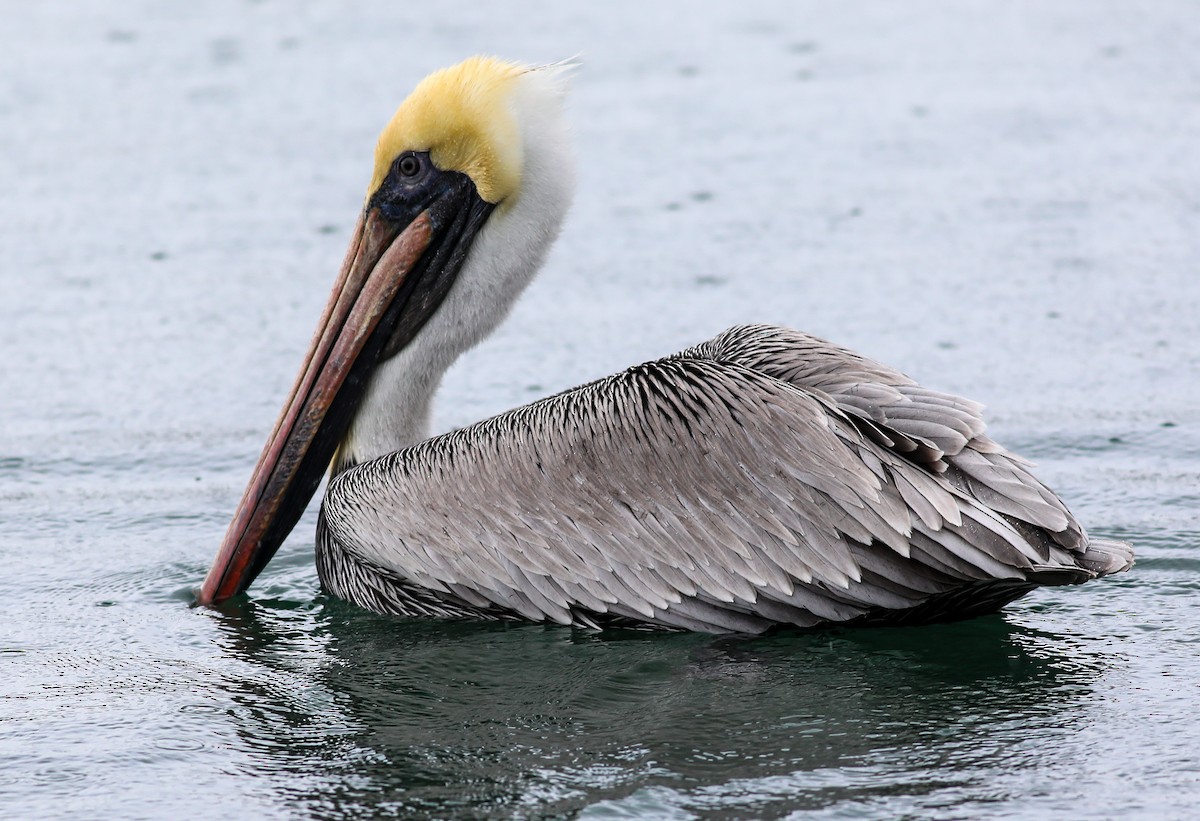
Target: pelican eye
(409, 166)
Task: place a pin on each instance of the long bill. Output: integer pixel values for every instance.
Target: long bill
(359, 321)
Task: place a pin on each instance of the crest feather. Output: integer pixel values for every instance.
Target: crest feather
(461, 115)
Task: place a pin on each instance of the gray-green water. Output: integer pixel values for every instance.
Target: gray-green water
(998, 198)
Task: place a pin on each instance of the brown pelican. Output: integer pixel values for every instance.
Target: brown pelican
(763, 477)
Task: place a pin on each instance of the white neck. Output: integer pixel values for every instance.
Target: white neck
(506, 254)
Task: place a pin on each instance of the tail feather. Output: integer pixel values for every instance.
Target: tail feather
(1107, 556)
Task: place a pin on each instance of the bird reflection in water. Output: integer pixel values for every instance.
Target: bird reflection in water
(350, 712)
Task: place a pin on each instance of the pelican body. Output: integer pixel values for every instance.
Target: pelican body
(762, 478)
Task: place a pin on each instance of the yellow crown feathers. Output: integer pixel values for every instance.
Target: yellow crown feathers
(462, 116)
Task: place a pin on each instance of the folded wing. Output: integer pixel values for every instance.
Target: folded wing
(762, 477)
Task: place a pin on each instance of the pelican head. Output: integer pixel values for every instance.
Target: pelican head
(472, 178)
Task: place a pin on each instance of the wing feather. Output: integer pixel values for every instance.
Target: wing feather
(765, 476)
(929, 427)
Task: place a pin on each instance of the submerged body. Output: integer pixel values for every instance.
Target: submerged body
(764, 477)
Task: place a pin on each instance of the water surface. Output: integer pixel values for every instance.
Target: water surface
(998, 199)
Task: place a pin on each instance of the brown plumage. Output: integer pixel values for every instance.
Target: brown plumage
(763, 477)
